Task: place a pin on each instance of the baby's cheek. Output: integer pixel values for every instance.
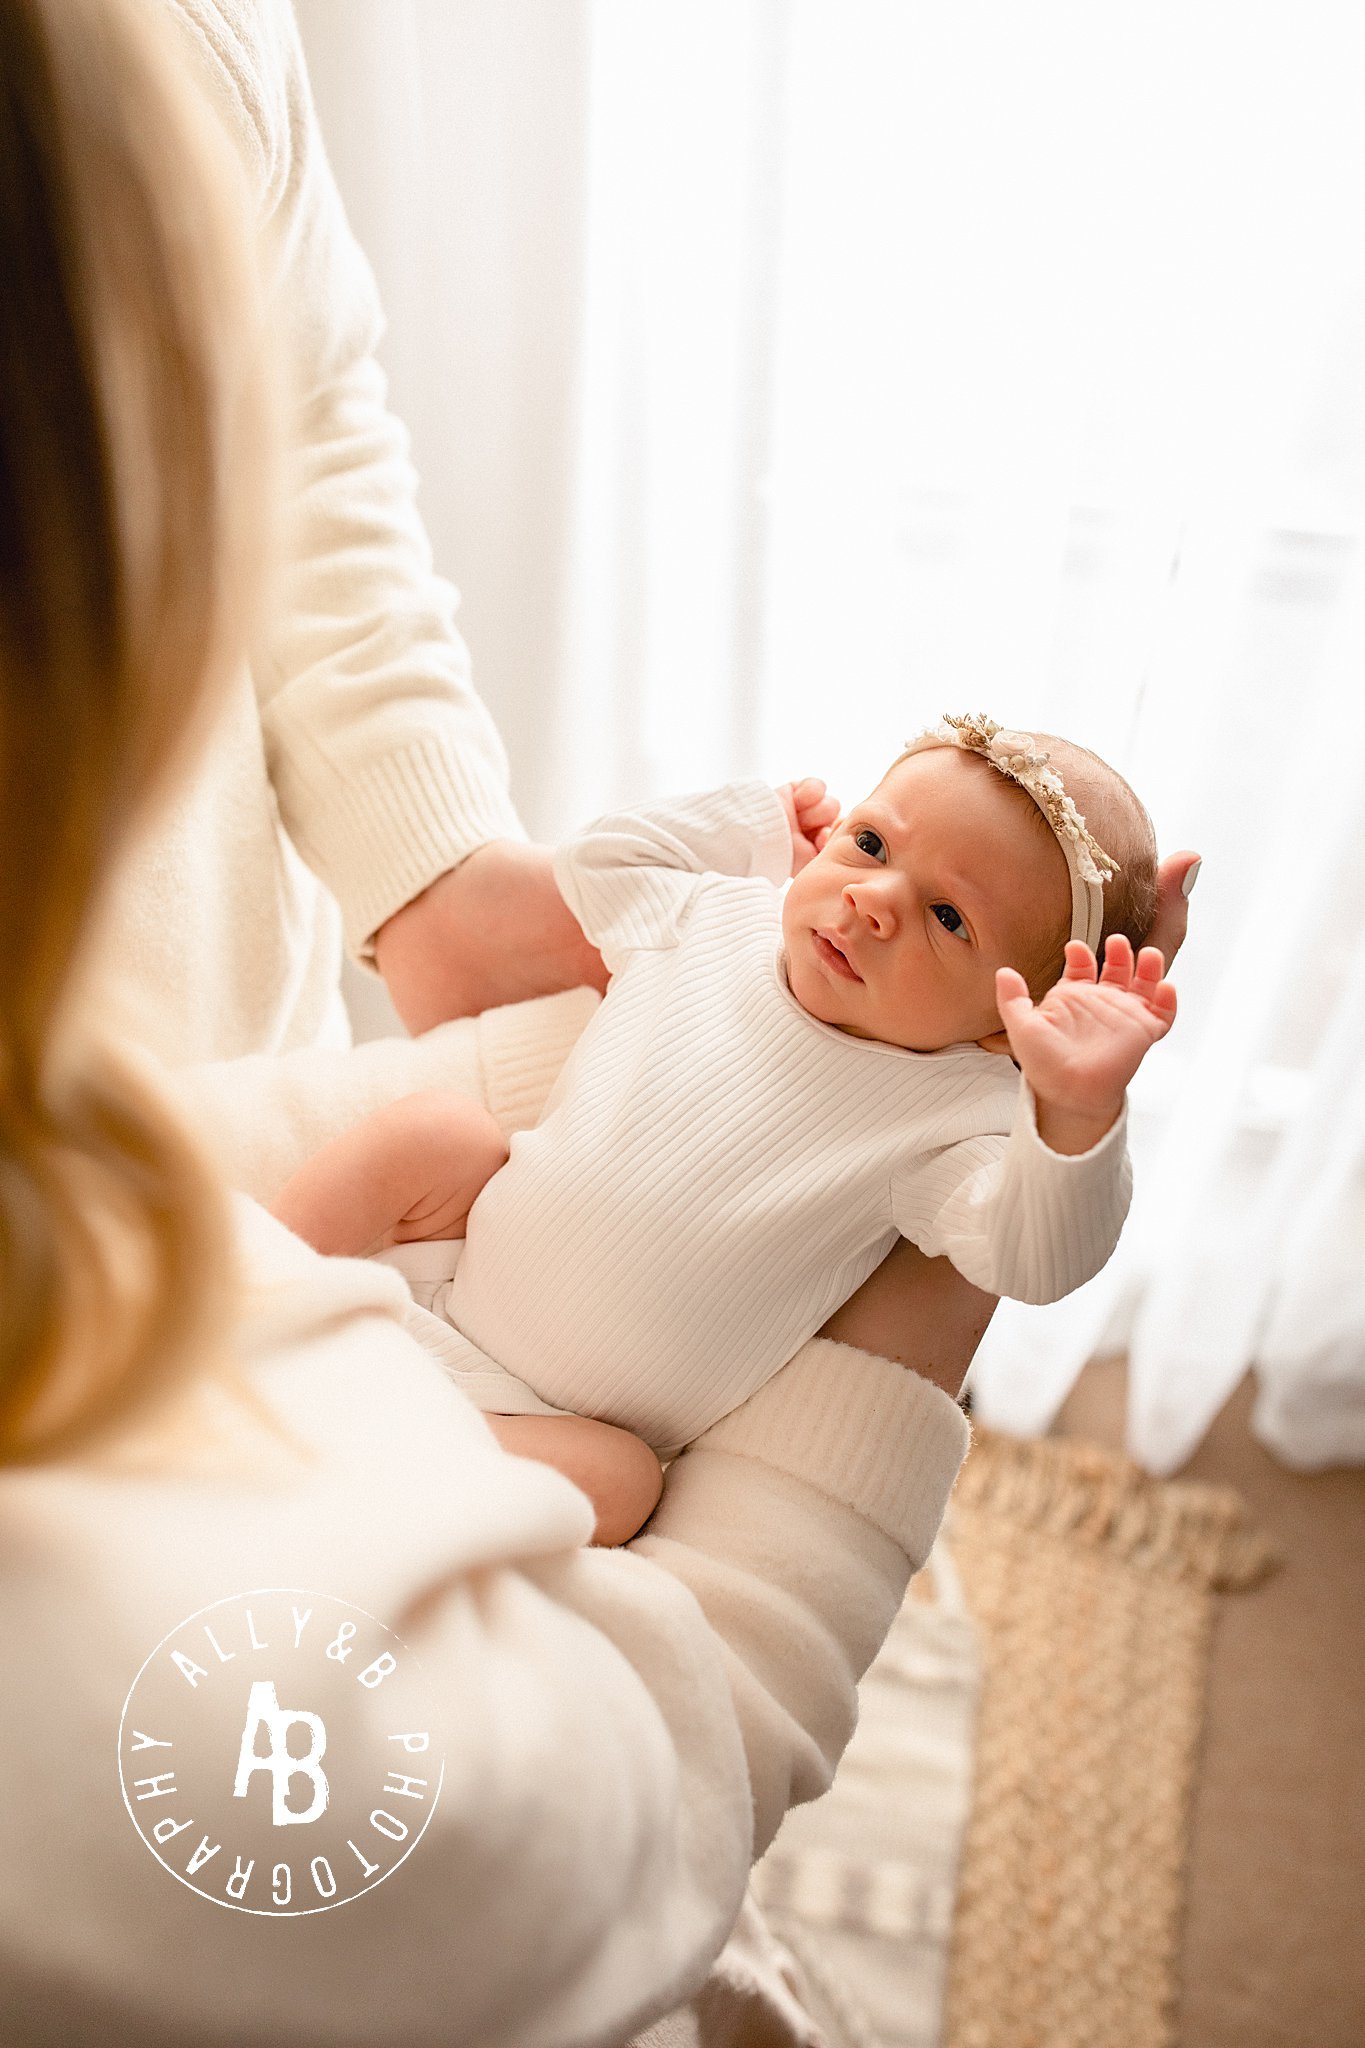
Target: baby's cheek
(791, 904)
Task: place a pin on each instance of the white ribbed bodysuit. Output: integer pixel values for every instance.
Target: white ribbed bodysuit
(716, 1170)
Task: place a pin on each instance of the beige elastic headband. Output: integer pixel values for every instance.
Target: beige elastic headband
(1017, 756)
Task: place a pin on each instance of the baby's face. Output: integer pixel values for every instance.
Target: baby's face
(895, 930)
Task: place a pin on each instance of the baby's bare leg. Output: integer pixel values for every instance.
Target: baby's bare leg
(410, 1171)
(619, 1473)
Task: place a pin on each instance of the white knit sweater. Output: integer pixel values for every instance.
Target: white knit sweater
(717, 1170)
(355, 763)
(626, 1728)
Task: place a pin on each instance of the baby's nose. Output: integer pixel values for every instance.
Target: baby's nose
(871, 901)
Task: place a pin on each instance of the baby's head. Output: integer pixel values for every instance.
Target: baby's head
(951, 869)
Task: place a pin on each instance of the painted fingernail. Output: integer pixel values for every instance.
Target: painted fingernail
(1187, 886)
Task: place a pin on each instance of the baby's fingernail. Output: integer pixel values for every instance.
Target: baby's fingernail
(1191, 877)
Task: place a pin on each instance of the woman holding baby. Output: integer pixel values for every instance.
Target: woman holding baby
(195, 1406)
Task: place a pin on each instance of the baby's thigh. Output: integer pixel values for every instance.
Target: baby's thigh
(438, 1126)
(446, 1149)
(617, 1470)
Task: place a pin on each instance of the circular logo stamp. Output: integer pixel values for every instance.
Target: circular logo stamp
(280, 1752)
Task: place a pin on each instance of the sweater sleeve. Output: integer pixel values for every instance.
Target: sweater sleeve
(630, 878)
(1015, 1217)
(386, 766)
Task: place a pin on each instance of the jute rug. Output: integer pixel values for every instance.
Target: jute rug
(1093, 1588)
(1007, 1834)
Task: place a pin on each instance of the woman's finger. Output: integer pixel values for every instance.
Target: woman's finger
(1175, 878)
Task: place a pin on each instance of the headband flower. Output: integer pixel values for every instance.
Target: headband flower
(1018, 756)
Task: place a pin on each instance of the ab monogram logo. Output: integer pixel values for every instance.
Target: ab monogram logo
(280, 1752)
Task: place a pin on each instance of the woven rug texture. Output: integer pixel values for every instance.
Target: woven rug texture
(1092, 1586)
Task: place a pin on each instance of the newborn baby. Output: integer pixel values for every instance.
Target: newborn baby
(776, 1086)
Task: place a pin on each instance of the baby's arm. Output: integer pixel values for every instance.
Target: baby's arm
(1015, 1217)
(1080, 1047)
(1036, 1214)
(631, 877)
(411, 1170)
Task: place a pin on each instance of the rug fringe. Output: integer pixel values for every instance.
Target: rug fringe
(1181, 1528)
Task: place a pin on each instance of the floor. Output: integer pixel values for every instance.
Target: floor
(1274, 1946)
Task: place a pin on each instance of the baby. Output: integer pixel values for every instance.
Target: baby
(775, 1087)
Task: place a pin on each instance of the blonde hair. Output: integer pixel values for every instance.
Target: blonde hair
(134, 438)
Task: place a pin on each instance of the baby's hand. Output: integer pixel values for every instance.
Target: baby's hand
(811, 813)
(1080, 1047)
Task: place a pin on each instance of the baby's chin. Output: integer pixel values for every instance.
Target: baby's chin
(810, 992)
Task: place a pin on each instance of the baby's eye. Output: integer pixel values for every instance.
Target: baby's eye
(949, 918)
(871, 843)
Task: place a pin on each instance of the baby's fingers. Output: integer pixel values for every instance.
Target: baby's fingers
(1080, 962)
(1118, 961)
(1012, 998)
(1149, 982)
(814, 805)
(1162, 1003)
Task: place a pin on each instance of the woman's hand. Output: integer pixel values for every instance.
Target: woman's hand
(493, 930)
(812, 813)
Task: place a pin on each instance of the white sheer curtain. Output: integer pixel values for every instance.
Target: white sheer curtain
(457, 130)
(784, 374)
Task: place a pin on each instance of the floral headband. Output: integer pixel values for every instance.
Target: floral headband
(1017, 756)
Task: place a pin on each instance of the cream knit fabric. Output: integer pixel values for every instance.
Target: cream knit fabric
(355, 763)
(626, 1728)
(716, 1170)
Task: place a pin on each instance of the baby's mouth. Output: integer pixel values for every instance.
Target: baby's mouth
(830, 955)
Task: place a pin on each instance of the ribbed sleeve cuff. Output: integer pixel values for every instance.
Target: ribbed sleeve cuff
(871, 1434)
(1067, 1208)
(521, 1050)
(1101, 1154)
(383, 832)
